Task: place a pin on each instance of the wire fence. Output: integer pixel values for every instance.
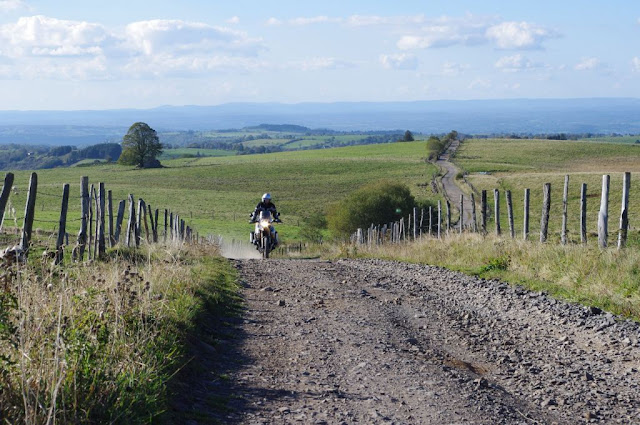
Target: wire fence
(99, 226)
(437, 223)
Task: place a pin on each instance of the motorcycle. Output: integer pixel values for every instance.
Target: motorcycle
(264, 237)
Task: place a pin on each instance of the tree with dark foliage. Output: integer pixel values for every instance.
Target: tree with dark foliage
(408, 136)
(141, 146)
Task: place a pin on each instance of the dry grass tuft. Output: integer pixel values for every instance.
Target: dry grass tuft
(97, 343)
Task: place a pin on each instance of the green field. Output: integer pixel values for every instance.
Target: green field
(193, 152)
(216, 194)
(518, 164)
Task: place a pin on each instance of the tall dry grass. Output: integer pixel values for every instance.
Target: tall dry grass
(97, 343)
(609, 278)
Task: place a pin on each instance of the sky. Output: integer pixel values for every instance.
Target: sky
(74, 55)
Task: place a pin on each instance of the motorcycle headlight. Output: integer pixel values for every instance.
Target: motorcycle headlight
(265, 223)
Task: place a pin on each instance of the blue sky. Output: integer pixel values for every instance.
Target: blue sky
(139, 54)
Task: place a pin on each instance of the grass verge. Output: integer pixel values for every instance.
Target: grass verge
(98, 343)
(608, 279)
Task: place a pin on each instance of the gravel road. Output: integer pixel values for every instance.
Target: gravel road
(451, 189)
(377, 342)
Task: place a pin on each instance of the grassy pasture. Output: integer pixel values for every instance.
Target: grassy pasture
(216, 194)
(180, 152)
(518, 164)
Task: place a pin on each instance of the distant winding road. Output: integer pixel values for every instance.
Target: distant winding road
(451, 189)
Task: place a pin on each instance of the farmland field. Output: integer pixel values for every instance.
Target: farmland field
(518, 164)
(216, 194)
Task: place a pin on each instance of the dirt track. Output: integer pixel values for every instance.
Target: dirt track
(450, 187)
(374, 342)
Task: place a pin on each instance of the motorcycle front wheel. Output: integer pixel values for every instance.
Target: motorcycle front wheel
(266, 244)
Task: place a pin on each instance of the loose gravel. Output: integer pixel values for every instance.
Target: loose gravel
(379, 342)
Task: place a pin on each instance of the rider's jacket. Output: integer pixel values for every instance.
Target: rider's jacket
(262, 206)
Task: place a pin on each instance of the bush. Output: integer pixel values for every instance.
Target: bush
(313, 226)
(377, 203)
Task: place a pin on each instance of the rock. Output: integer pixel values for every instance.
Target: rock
(594, 310)
(281, 303)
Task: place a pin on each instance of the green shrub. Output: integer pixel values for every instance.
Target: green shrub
(377, 203)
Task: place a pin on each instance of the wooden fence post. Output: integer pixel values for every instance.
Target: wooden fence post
(583, 213)
(112, 240)
(91, 235)
(4, 195)
(439, 219)
(525, 230)
(150, 211)
(131, 223)
(84, 204)
(546, 208)
(603, 215)
(119, 218)
(101, 222)
(62, 228)
(421, 221)
(474, 221)
(141, 214)
(496, 207)
(29, 212)
(155, 227)
(483, 212)
(166, 214)
(461, 219)
(565, 210)
(448, 204)
(415, 223)
(171, 226)
(624, 213)
(430, 232)
(512, 230)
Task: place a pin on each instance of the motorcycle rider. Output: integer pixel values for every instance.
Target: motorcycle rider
(266, 205)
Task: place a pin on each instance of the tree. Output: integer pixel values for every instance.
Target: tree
(408, 136)
(377, 203)
(141, 146)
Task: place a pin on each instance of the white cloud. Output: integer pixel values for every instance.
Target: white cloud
(446, 31)
(44, 36)
(451, 69)
(164, 65)
(41, 47)
(313, 20)
(519, 35)
(588, 64)
(399, 61)
(514, 63)
(234, 20)
(181, 37)
(370, 20)
(274, 22)
(635, 64)
(323, 63)
(11, 5)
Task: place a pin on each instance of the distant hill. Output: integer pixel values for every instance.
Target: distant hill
(603, 115)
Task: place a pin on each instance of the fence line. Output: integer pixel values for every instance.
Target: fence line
(96, 208)
(395, 232)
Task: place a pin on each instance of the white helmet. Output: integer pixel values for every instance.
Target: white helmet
(266, 196)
